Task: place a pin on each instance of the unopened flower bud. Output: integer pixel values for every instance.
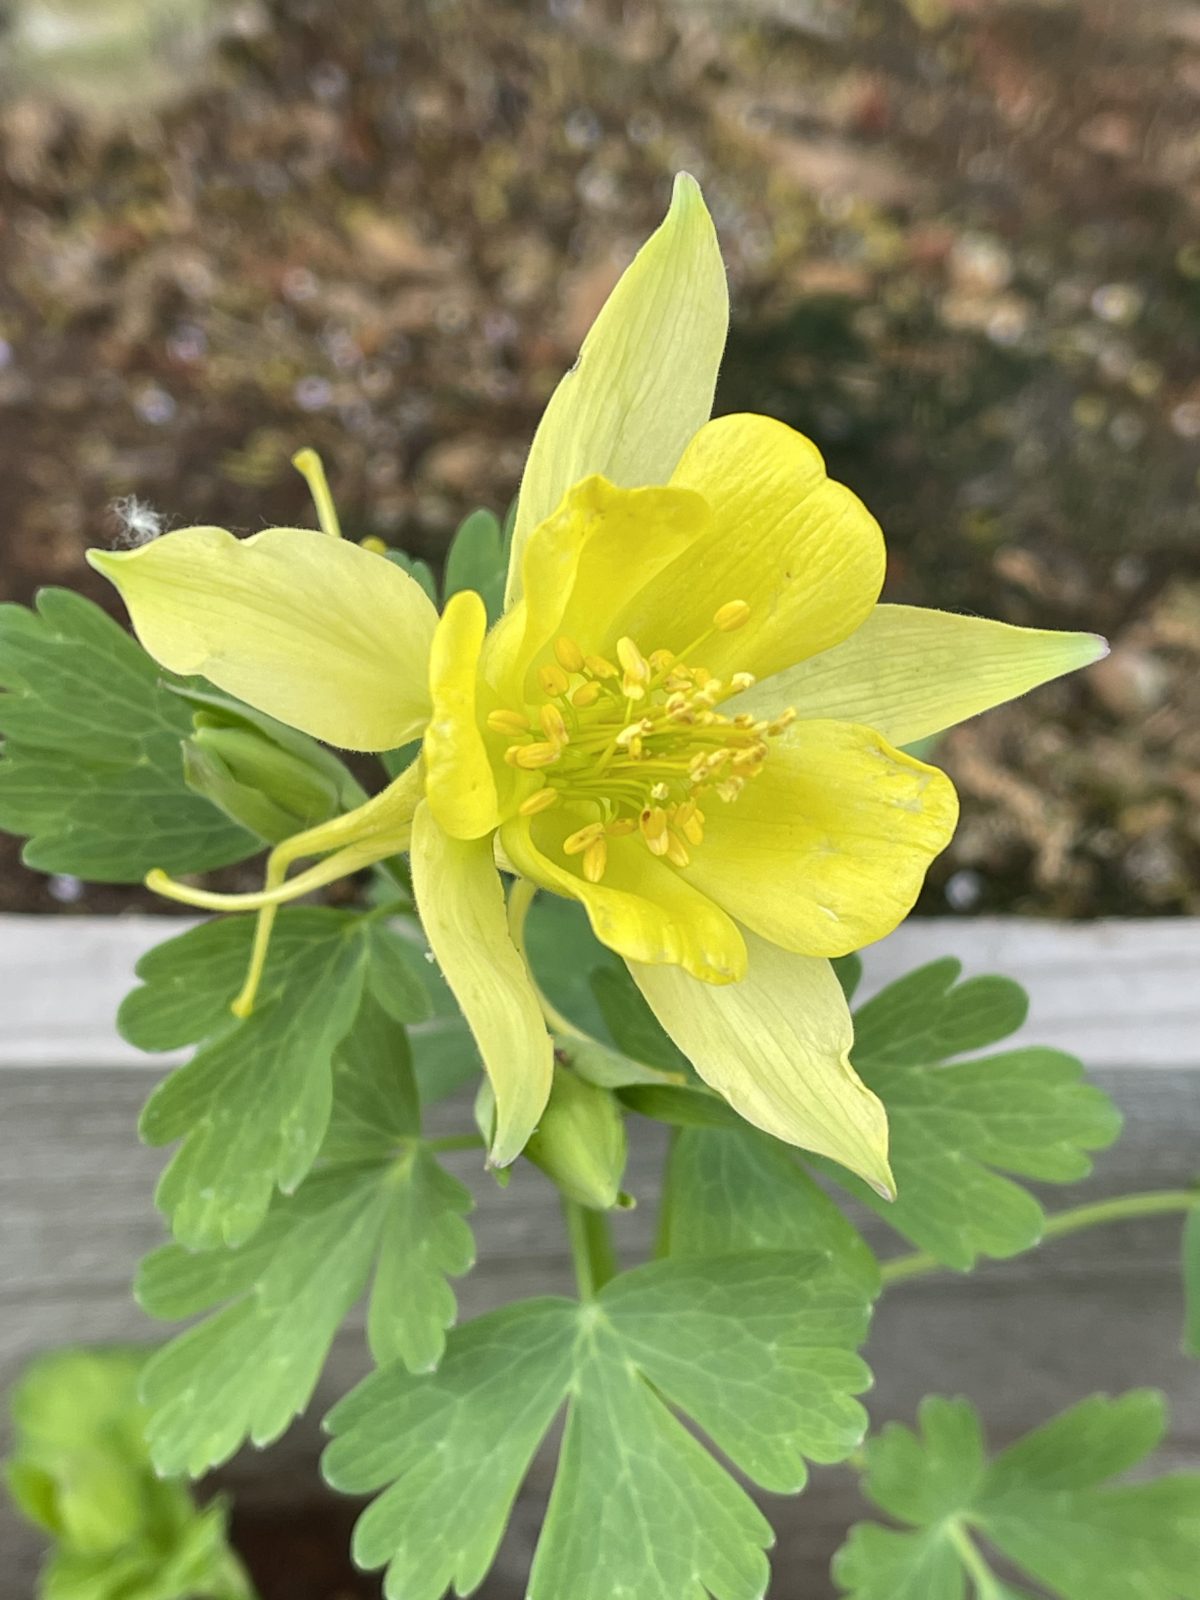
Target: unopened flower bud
(268, 778)
(580, 1142)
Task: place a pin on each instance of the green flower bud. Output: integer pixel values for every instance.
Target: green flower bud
(580, 1142)
(269, 778)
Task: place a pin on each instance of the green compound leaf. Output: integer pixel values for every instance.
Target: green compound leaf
(1047, 1504)
(253, 1104)
(378, 1203)
(476, 560)
(92, 769)
(758, 1350)
(738, 1189)
(958, 1126)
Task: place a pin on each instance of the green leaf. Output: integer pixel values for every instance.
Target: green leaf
(757, 1349)
(82, 1471)
(416, 568)
(564, 953)
(476, 561)
(92, 770)
(958, 1126)
(681, 1108)
(378, 1202)
(848, 971)
(252, 1105)
(1191, 1282)
(1047, 1504)
(633, 1025)
(737, 1189)
(444, 1053)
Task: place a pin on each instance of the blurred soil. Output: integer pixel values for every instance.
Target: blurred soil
(964, 244)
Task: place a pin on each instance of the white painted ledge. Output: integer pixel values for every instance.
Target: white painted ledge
(1116, 994)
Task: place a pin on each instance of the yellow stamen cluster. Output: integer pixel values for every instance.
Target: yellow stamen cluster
(640, 740)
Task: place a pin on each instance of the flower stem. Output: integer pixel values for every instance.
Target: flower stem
(1121, 1208)
(977, 1569)
(591, 1248)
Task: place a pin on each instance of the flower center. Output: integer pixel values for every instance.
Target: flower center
(640, 741)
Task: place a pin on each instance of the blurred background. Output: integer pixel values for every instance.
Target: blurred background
(964, 244)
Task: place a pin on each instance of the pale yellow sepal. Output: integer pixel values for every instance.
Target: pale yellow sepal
(826, 849)
(461, 903)
(777, 1047)
(314, 631)
(460, 783)
(910, 672)
(644, 380)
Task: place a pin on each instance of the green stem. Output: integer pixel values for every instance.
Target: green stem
(976, 1568)
(1120, 1209)
(592, 1251)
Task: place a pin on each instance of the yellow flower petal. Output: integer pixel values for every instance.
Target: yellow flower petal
(460, 783)
(461, 902)
(312, 630)
(909, 673)
(645, 377)
(826, 849)
(601, 544)
(641, 908)
(802, 551)
(776, 1045)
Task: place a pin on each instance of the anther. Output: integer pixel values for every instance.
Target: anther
(677, 852)
(532, 756)
(576, 843)
(660, 660)
(595, 859)
(510, 722)
(568, 654)
(539, 800)
(782, 721)
(586, 695)
(741, 681)
(689, 819)
(636, 672)
(653, 823)
(600, 668)
(553, 679)
(553, 725)
(732, 615)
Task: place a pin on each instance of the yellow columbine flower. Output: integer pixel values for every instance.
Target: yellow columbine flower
(686, 718)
